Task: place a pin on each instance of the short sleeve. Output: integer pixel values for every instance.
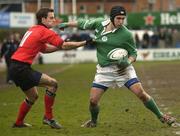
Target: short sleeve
(52, 38)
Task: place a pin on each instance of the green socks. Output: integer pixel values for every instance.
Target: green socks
(94, 113)
(151, 105)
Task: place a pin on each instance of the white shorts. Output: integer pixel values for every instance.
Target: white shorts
(112, 76)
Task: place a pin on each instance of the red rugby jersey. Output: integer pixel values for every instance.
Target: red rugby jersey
(34, 41)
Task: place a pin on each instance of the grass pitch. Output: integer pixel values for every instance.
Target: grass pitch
(121, 113)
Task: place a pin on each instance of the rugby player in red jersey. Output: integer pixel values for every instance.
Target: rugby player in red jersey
(39, 38)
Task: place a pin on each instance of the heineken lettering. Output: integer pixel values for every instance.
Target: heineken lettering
(169, 19)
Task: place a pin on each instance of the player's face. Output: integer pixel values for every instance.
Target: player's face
(49, 21)
(119, 20)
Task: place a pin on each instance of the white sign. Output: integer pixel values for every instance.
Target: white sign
(80, 56)
(22, 20)
(73, 56)
(159, 54)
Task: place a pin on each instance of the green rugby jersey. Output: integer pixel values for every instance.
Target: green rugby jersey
(107, 41)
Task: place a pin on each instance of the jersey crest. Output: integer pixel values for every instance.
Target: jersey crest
(104, 38)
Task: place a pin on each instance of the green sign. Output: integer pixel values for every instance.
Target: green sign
(171, 19)
(139, 20)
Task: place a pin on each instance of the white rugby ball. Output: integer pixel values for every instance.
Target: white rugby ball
(117, 53)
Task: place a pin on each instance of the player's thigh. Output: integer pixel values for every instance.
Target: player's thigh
(31, 94)
(24, 76)
(136, 88)
(46, 81)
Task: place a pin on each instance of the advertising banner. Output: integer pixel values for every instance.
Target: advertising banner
(134, 20)
(158, 54)
(22, 20)
(80, 56)
(139, 20)
(151, 19)
(4, 20)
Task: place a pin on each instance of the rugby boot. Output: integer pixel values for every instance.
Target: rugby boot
(168, 119)
(52, 123)
(89, 124)
(23, 125)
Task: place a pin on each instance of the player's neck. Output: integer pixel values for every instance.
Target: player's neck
(42, 25)
(110, 27)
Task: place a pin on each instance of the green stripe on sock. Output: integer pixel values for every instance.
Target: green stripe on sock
(151, 105)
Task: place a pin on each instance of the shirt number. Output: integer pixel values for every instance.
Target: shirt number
(26, 35)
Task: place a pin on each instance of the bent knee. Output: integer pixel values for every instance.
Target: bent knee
(54, 85)
(36, 97)
(32, 100)
(93, 101)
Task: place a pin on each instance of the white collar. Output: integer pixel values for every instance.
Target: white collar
(105, 23)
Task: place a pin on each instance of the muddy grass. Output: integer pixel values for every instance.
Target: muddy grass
(2, 76)
(162, 81)
(157, 78)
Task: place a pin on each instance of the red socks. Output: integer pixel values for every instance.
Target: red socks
(23, 110)
(26, 106)
(49, 102)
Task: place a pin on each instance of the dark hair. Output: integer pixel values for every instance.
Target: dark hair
(115, 11)
(43, 13)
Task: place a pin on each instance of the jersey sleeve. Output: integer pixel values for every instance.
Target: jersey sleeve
(89, 24)
(132, 50)
(52, 38)
(43, 48)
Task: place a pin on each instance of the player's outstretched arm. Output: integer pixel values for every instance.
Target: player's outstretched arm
(73, 45)
(50, 48)
(68, 24)
(65, 46)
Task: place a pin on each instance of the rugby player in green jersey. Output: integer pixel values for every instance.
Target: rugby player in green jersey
(110, 35)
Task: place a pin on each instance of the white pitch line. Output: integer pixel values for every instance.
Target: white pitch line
(50, 73)
(177, 132)
(60, 70)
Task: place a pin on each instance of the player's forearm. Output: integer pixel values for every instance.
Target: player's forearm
(72, 24)
(51, 48)
(68, 24)
(72, 45)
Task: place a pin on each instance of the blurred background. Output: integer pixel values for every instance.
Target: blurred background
(155, 25)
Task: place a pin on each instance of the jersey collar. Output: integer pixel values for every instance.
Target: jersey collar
(105, 23)
(42, 25)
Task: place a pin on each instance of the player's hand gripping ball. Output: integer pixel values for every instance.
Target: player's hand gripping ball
(119, 56)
